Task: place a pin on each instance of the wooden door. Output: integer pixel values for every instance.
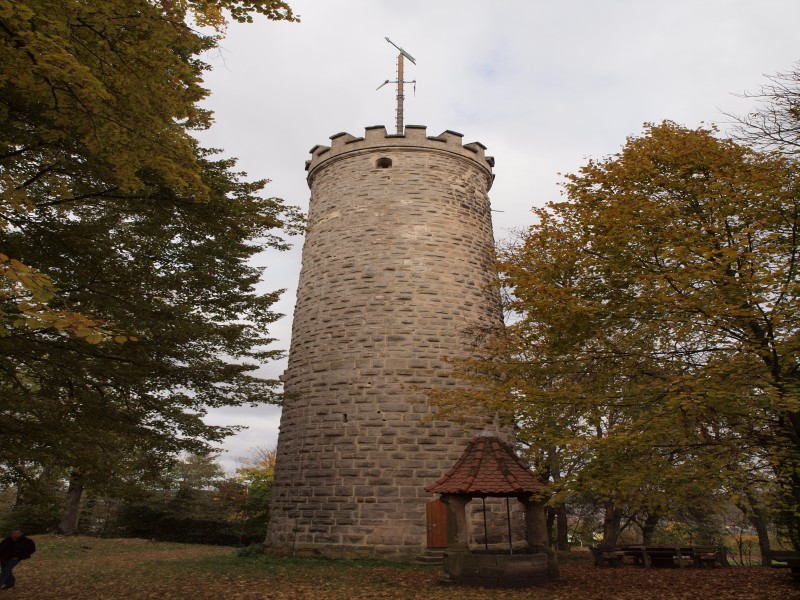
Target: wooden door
(436, 517)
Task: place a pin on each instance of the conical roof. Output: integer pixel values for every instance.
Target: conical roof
(488, 467)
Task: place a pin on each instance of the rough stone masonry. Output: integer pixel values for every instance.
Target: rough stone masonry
(397, 265)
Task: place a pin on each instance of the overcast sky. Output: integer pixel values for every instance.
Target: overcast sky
(544, 85)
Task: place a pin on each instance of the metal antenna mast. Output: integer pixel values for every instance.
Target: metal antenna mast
(400, 82)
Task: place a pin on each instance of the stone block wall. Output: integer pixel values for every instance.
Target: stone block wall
(397, 265)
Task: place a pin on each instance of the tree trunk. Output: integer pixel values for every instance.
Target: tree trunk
(759, 519)
(791, 520)
(69, 520)
(562, 527)
(550, 512)
(21, 497)
(611, 522)
(649, 528)
(557, 526)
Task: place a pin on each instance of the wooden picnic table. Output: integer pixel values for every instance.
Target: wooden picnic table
(649, 556)
(786, 559)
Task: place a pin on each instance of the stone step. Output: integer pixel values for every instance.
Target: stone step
(431, 557)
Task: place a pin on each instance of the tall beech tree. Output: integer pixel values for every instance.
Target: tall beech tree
(128, 301)
(657, 331)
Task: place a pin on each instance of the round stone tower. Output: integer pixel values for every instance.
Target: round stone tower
(397, 267)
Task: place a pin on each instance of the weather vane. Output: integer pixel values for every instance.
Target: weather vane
(400, 82)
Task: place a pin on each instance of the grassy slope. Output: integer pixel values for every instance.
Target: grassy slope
(90, 568)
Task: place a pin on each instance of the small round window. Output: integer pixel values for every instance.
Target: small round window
(383, 163)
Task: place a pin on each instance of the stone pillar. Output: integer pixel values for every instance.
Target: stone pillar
(457, 525)
(536, 533)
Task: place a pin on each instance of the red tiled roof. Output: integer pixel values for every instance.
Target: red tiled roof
(488, 467)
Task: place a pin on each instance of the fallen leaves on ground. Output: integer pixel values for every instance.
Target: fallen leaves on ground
(92, 569)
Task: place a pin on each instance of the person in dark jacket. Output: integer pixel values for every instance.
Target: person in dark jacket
(14, 548)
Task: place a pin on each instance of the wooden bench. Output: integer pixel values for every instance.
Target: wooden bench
(649, 555)
(660, 556)
(610, 556)
(708, 556)
(786, 559)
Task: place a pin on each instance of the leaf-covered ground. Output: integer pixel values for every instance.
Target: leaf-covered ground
(89, 568)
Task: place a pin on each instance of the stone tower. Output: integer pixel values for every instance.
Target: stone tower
(397, 265)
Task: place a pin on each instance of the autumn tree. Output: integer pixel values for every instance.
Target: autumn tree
(656, 338)
(128, 302)
(255, 477)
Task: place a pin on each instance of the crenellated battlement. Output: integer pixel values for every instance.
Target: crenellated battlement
(415, 136)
